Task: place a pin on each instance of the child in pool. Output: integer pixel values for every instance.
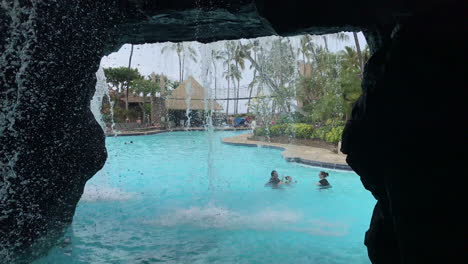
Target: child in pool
(323, 182)
(289, 180)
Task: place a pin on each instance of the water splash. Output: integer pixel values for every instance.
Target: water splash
(188, 98)
(95, 193)
(102, 91)
(206, 73)
(214, 217)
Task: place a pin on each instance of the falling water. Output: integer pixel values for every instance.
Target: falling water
(205, 51)
(96, 103)
(206, 76)
(188, 91)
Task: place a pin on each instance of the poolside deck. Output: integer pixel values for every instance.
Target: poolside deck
(158, 131)
(296, 153)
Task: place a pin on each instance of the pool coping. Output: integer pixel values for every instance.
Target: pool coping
(287, 154)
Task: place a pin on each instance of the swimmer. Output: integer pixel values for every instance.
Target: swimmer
(274, 179)
(323, 182)
(289, 180)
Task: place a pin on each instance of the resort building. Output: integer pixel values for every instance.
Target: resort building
(190, 94)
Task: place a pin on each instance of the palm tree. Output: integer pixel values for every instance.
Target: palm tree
(145, 87)
(359, 54)
(254, 47)
(215, 56)
(238, 59)
(338, 36)
(271, 81)
(305, 49)
(182, 51)
(129, 67)
(227, 55)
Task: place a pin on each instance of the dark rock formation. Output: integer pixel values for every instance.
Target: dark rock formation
(404, 139)
(51, 145)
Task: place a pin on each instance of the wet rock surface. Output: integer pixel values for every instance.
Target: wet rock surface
(402, 137)
(51, 145)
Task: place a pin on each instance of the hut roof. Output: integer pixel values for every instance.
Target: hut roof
(178, 99)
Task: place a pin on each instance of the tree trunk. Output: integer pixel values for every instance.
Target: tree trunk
(326, 43)
(250, 92)
(180, 68)
(183, 68)
(238, 93)
(126, 92)
(215, 79)
(227, 106)
(359, 54)
(236, 97)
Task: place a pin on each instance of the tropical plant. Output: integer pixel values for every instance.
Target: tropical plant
(238, 59)
(121, 78)
(215, 56)
(276, 70)
(227, 54)
(183, 51)
(144, 88)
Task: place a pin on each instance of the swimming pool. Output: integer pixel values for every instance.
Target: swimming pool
(184, 197)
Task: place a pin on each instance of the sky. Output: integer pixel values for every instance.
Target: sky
(148, 58)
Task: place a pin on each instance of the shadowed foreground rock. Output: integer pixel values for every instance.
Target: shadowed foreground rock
(400, 140)
(404, 141)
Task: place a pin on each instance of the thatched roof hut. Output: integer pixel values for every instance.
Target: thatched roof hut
(178, 99)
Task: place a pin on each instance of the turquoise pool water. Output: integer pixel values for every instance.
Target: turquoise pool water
(159, 200)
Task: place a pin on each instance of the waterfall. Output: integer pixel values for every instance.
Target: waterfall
(206, 76)
(102, 90)
(188, 92)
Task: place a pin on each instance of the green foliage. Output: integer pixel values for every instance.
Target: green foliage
(278, 130)
(334, 85)
(334, 135)
(298, 130)
(331, 132)
(118, 77)
(294, 117)
(260, 131)
(146, 87)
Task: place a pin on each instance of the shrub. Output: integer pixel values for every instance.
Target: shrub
(260, 131)
(299, 130)
(334, 135)
(326, 133)
(320, 132)
(278, 130)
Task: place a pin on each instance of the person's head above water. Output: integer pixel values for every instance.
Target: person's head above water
(274, 174)
(323, 175)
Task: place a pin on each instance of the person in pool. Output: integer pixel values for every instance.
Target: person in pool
(274, 179)
(323, 182)
(289, 180)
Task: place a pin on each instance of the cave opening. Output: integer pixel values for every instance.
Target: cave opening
(402, 136)
(168, 174)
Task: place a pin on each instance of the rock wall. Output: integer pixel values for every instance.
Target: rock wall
(50, 143)
(405, 139)
(400, 140)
